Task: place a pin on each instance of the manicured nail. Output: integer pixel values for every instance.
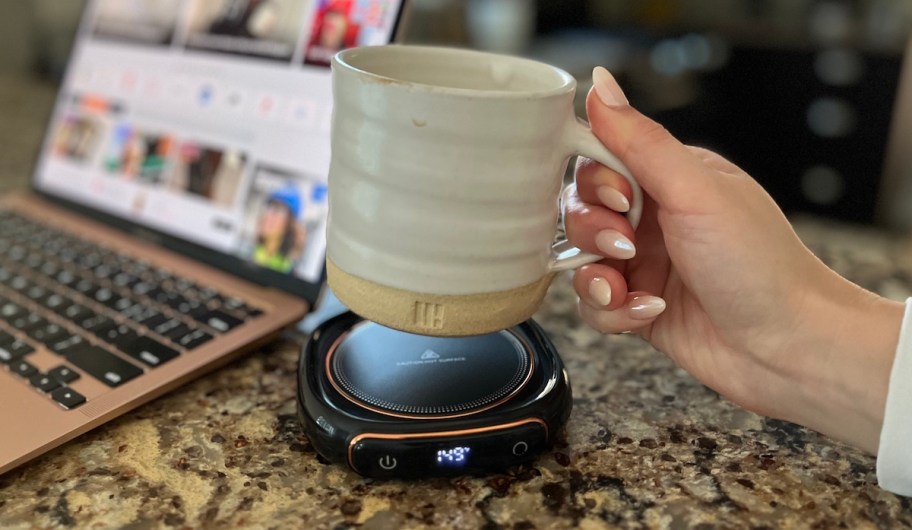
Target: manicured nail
(646, 307)
(607, 89)
(600, 291)
(613, 244)
(613, 199)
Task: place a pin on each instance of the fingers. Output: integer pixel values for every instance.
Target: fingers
(598, 184)
(596, 229)
(638, 312)
(666, 169)
(600, 286)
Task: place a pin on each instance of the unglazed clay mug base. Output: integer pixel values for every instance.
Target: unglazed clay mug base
(444, 186)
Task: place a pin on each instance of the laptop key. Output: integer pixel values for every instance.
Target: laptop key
(22, 368)
(142, 288)
(150, 351)
(120, 304)
(119, 336)
(37, 293)
(67, 397)
(20, 284)
(136, 312)
(168, 326)
(11, 310)
(77, 312)
(49, 268)
(87, 288)
(28, 321)
(177, 301)
(47, 333)
(68, 344)
(97, 324)
(233, 303)
(33, 260)
(6, 338)
(63, 374)
(103, 271)
(57, 303)
(219, 321)
(193, 339)
(14, 350)
(66, 278)
(154, 319)
(192, 308)
(103, 365)
(123, 279)
(178, 331)
(44, 383)
(104, 295)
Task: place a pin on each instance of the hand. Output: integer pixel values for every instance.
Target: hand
(720, 282)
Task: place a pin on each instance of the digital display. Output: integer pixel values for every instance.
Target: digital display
(453, 457)
(449, 455)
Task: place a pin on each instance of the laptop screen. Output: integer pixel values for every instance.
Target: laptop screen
(208, 121)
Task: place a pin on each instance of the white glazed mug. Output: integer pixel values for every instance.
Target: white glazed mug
(444, 186)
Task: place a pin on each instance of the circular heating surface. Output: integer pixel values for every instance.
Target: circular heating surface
(397, 372)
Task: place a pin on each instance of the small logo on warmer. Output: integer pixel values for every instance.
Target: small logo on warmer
(431, 357)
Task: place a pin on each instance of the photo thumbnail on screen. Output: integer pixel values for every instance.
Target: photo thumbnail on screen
(137, 154)
(143, 21)
(284, 212)
(77, 137)
(212, 173)
(341, 24)
(257, 28)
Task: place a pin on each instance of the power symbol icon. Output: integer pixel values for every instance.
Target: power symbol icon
(520, 448)
(388, 462)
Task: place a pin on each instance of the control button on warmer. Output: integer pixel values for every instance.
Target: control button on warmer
(520, 448)
(388, 462)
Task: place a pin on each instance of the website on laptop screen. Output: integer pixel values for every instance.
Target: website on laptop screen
(209, 120)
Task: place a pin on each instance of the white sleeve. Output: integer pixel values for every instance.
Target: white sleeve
(894, 456)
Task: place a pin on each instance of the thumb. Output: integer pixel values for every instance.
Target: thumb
(665, 168)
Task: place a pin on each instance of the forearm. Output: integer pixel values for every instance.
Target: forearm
(843, 374)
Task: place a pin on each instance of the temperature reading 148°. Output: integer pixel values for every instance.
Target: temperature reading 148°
(455, 456)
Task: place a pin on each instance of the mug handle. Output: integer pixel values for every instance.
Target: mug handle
(564, 256)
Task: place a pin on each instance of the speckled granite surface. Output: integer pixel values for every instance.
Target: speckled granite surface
(646, 447)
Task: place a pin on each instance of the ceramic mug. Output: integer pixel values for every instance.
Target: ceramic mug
(444, 184)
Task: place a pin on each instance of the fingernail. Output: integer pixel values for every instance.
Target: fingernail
(613, 244)
(646, 307)
(613, 199)
(607, 89)
(600, 291)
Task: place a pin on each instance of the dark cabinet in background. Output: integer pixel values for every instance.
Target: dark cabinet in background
(815, 146)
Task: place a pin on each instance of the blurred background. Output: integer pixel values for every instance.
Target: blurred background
(809, 96)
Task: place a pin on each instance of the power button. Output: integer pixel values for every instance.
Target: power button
(520, 448)
(388, 462)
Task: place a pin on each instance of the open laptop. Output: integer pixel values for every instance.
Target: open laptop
(177, 211)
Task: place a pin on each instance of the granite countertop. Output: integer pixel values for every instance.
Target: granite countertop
(646, 446)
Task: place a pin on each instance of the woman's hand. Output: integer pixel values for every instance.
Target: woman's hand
(721, 284)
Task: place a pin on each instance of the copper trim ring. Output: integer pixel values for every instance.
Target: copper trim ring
(416, 436)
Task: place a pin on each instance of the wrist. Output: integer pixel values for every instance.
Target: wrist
(841, 372)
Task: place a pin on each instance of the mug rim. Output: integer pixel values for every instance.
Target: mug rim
(341, 59)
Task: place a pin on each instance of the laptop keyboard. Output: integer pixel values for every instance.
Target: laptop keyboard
(107, 315)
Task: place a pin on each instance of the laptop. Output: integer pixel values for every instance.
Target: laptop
(177, 211)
